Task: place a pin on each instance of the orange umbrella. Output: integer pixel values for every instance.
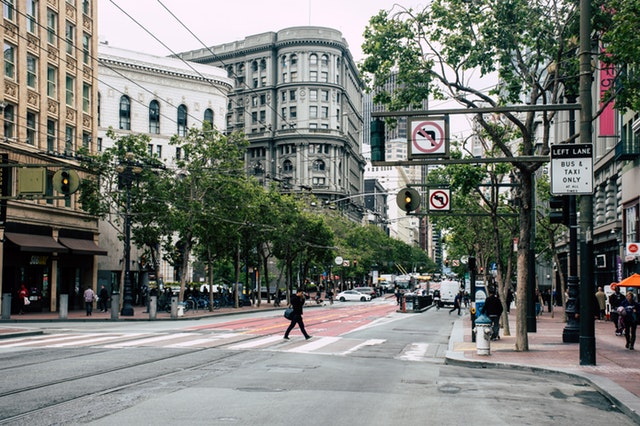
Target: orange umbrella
(632, 281)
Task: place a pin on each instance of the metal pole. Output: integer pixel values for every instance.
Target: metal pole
(127, 302)
(587, 320)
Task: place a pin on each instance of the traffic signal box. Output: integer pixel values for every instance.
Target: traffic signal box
(559, 209)
(66, 181)
(408, 199)
(377, 140)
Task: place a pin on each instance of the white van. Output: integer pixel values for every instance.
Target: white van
(448, 291)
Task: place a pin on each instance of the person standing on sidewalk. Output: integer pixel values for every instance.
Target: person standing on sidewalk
(103, 299)
(630, 319)
(296, 318)
(89, 297)
(602, 303)
(23, 294)
(493, 309)
(615, 300)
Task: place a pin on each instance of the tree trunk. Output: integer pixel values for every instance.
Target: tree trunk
(522, 342)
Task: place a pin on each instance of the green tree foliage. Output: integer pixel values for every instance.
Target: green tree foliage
(450, 48)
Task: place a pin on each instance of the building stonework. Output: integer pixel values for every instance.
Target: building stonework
(49, 92)
(298, 97)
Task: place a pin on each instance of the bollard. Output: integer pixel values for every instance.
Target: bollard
(153, 307)
(63, 310)
(174, 307)
(115, 305)
(6, 306)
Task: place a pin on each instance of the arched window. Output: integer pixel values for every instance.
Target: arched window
(287, 166)
(254, 66)
(182, 121)
(318, 166)
(154, 117)
(294, 60)
(125, 113)
(208, 116)
(284, 61)
(263, 64)
(313, 59)
(324, 61)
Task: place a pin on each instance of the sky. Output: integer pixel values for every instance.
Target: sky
(127, 24)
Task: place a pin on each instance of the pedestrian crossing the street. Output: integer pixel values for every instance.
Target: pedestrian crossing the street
(236, 341)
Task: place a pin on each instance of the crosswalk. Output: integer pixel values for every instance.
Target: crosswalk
(236, 341)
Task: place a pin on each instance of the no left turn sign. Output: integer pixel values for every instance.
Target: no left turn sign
(428, 137)
(439, 199)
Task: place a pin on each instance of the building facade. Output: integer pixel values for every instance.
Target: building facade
(298, 97)
(160, 97)
(49, 92)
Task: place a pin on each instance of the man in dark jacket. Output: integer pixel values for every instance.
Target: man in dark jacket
(615, 300)
(296, 318)
(493, 309)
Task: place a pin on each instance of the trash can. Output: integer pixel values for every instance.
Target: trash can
(483, 332)
(408, 303)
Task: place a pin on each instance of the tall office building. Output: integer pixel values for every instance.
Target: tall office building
(49, 93)
(298, 98)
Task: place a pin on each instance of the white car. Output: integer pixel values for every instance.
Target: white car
(353, 295)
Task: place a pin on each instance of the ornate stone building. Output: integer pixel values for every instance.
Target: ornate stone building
(49, 92)
(298, 98)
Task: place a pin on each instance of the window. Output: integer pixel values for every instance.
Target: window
(294, 76)
(86, 7)
(208, 116)
(292, 95)
(313, 112)
(318, 166)
(9, 122)
(154, 117)
(99, 100)
(631, 224)
(150, 149)
(86, 49)
(313, 75)
(263, 116)
(182, 120)
(284, 61)
(32, 16)
(31, 128)
(284, 113)
(254, 117)
(293, 112)
(52, 32)
(324, 76)
(70, 35)
(313, 59)
(70, 90)
(52, 78)
(32, 71)
(9, 9)
(283, 95)
(324, 61)
(319, 181)
(324, 112)
(86, 98)
(285, 77)
(254, 101)
(9, 60)
(125, 113)
(178, 153)
(313, 95)
(294, 60)
(86, 140)
(51, 135)
(324, 96)
(254, 66)
(159, 151)
(263, 99)
(69, 138)
(287, 166)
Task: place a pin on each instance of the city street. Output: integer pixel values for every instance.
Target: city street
(365, 365)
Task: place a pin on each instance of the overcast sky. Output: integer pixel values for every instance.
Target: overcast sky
(217, 21)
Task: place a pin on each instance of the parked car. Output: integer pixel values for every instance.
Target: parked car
(353, 295)
(366, 290)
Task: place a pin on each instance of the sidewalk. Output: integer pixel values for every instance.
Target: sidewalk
(616, 373)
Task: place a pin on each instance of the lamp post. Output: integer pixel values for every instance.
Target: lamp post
(127, 170)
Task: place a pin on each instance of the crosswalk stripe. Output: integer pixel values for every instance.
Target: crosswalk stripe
(414, 352)
(143, 342)
(251, 344)
(203, 342)
(315, 344)
(370, 342)
(28, 341)
(94, 340)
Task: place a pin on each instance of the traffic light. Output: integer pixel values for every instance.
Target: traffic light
(408, 199)
(377, 140)
(66, 181)
(559, 209)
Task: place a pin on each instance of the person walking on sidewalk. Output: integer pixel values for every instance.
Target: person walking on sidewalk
(89, 297)
(602, 302)
(296, 318)
(615, 300)
(103, 298)
(493, 309)
(630, 319)
(457, 303)
(23, 295)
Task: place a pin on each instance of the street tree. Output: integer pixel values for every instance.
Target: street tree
(439, 51)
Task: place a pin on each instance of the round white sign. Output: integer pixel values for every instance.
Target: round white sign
(339, 260)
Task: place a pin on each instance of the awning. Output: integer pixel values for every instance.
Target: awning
(82, 246)
(632, 281)
(35, 243)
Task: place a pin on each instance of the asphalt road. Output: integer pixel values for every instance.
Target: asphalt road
(365, 365)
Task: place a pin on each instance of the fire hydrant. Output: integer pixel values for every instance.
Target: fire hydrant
(483, 335)
(180, 309)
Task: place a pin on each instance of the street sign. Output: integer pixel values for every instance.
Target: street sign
(338, 260)
(439, 200)
(428, 137)
(571, 169)
(632, 249)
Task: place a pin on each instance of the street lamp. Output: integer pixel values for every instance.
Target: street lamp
(127, 171)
